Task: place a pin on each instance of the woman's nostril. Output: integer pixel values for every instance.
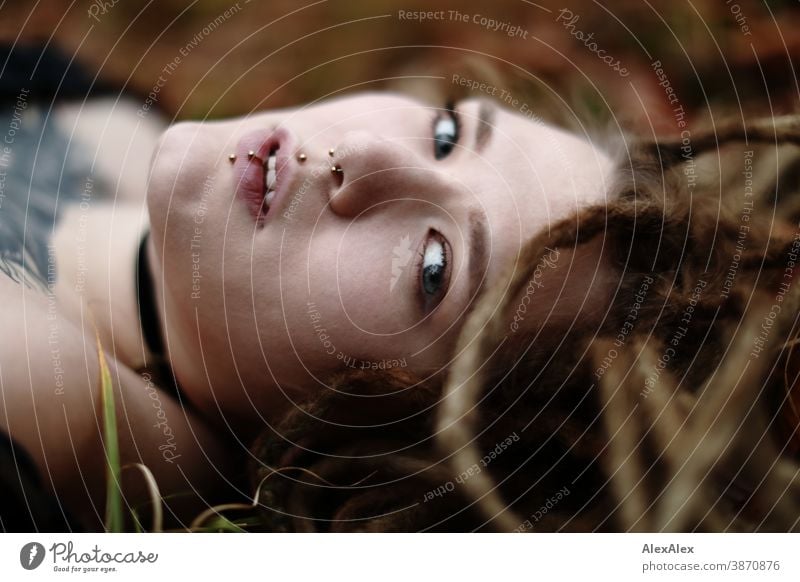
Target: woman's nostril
(338, 174)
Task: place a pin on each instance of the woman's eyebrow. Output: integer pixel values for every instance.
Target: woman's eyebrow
(483, 131)
(478, 255)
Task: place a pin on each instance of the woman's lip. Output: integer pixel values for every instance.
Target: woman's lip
(249, 173)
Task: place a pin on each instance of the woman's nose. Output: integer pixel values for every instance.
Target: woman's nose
(370, 171)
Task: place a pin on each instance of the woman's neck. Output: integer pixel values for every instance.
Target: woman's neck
(96, 246)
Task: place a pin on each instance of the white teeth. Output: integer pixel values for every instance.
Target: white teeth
(270, 177)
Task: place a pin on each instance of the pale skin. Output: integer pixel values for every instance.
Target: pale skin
(256, 316)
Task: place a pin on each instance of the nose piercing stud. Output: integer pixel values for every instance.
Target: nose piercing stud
(331, 152)
(232, 157)
(301, 157)
(336, 169)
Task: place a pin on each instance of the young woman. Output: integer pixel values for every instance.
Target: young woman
(361, 281)
(229, 268)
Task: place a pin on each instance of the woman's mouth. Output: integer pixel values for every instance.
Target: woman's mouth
(263, 170)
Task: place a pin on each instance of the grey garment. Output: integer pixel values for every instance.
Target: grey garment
(41, 171)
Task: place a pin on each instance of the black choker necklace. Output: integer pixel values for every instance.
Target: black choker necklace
(150, 323)
(148, 315)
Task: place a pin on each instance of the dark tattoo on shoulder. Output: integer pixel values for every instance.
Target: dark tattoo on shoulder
(41, 171)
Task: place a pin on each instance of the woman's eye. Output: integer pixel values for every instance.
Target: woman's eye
(433, 270)
(445, 133)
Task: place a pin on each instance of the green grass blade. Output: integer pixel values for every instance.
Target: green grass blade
(137, 524)
(221, 524)
(114, 521)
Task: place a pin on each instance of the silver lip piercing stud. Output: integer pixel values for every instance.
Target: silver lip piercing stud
(232, 157)
(301, 157)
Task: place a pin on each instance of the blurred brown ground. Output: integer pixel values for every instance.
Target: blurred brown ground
(278, 53)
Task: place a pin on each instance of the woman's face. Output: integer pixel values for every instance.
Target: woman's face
(371, 266)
